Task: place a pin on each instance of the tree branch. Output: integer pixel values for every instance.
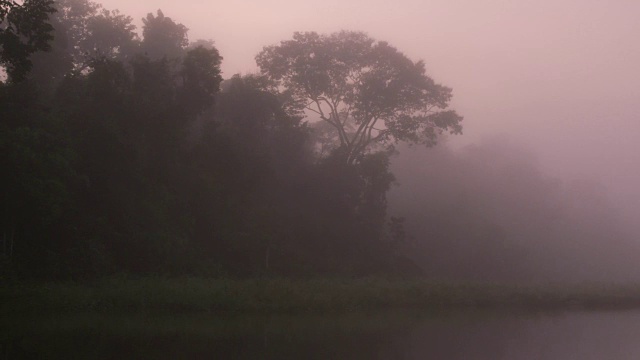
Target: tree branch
(337, 125)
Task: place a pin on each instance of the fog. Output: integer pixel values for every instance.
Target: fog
(549, 92)
(487, 212)
(559, 77)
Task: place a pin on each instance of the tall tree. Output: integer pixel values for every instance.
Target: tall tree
(162, 37)
(83, 31)
(110, 34)
(200, 77)
(24, 29)
(368, 91)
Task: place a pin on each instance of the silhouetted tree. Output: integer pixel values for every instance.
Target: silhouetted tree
(251, 153)
(83, 31)
(110, 34)
(125, 155)
(200, 78)
(367, 90)
(162, 37)
(24, 29)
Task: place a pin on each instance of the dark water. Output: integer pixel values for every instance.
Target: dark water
(397, 335)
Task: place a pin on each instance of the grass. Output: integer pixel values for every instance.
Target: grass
(277, 295)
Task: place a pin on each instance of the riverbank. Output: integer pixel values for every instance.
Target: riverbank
(276, 295)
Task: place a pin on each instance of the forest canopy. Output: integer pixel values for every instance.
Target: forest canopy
(126, 151)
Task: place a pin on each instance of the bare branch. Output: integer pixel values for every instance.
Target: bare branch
(335, 124)
(311, 109)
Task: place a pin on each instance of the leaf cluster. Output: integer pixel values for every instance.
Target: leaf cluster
(24, 29)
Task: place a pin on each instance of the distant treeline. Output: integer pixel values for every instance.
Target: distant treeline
(127, 153)
(488, 213)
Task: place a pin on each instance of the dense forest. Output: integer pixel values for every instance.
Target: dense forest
(127, 152)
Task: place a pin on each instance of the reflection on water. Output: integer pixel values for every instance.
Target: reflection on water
(397, 335)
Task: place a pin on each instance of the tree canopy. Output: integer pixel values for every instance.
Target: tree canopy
(163, 37)
(128, 154)
(24, 29)
(367, 90)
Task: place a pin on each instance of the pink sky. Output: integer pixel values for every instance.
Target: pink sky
(560, 76)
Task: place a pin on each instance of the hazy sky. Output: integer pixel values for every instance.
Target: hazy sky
(561, 76)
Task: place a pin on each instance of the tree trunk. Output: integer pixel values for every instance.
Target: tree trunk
(266, 256)
(13, 233)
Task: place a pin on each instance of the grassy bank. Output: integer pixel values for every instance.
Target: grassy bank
(294, 296)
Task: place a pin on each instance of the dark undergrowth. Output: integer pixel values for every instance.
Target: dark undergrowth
(278, 295)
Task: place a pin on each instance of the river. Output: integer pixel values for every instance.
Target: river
(475, 335)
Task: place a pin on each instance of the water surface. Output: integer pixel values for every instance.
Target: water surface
(388, 335)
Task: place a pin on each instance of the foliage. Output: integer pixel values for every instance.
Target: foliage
(110, 34)
(133, 155)
(201, 77)
(299, 296)
(368, 91)
(24, 30)
(163, 37)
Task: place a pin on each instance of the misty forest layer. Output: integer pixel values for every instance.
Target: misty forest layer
(122, 153)
(127, 152)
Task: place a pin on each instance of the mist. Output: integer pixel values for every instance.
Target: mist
(533, 179)
(340, 179)
(488, 212)
(558, 79)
